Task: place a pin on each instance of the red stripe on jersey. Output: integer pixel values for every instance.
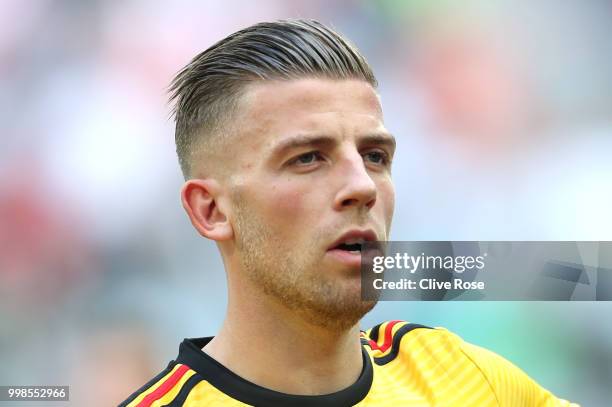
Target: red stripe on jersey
(388, 338)
(165, 387)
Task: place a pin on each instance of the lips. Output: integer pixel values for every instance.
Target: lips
(353, 240)
(347, 249)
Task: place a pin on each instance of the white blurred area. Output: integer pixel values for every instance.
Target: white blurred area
(503, 115)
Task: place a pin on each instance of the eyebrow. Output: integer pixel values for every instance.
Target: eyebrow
(385, 139)
(303, 140)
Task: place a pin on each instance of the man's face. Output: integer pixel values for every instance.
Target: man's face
(312, 163)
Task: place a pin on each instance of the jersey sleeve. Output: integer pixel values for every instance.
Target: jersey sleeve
(511, 385)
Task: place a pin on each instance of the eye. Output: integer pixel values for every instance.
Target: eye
(377, 157)
(306, 159)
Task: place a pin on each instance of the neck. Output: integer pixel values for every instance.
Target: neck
(261, 341)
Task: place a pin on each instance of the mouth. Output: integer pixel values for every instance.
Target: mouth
(348, 248)
(353, 240)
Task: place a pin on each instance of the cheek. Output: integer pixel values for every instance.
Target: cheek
(288, 206)
(387, 196)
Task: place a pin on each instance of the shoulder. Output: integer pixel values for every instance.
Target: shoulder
(389, 339)
(437, 352)
(509, 381)
(170, 387)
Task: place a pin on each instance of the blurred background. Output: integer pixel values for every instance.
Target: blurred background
(503, 115)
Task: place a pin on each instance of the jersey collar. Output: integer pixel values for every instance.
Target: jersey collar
(191, 354)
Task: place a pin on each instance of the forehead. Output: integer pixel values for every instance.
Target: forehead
(278, 107)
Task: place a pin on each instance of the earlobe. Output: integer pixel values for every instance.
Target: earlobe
(200, 198)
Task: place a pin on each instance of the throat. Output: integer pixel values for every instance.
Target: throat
(317, 366)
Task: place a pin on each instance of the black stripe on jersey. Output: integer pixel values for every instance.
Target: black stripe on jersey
(374, 332)
(180, 398)
(148, 384)
(396, 343)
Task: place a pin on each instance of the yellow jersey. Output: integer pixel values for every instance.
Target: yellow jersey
(404, 365)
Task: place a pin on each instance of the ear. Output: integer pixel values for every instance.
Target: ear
(200, 199)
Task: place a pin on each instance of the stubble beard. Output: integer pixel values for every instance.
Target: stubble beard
(292, 277)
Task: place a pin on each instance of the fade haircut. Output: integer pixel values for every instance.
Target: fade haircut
(206, 92)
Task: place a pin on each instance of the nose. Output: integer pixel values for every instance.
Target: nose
(357, 188)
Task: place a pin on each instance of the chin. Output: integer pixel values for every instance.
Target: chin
(342, 315)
